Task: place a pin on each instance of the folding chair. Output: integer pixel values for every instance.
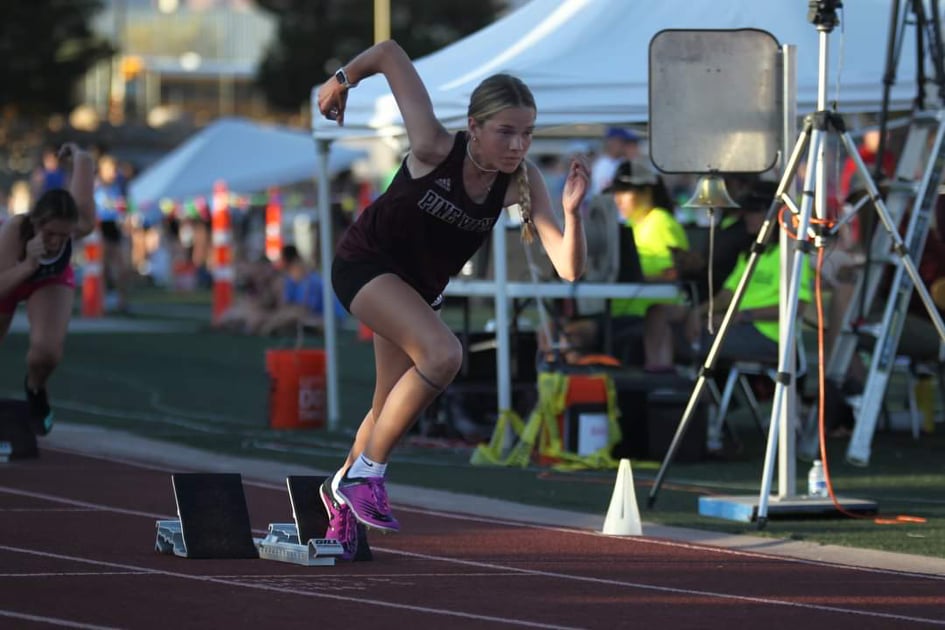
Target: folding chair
(738, 376)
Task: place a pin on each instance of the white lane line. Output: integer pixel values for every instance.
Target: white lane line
(665, 543)
(282, 590)
(83, 504)
(494, 521)
(555, 575)
(374, 576)
(681, 591)
(53, 621)
(71, 574)
(45, 510)
(498, 521)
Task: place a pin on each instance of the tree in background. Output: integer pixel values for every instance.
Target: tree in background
(46, 47)
(314, 37)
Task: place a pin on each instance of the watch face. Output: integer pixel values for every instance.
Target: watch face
(341, 78)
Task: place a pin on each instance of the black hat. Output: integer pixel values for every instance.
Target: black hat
(759, 196)
(631, 175)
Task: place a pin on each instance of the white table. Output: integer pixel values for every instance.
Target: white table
(502, 290)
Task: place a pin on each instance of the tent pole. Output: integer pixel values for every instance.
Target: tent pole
(787, 476)
(326, 250)
(503, 354)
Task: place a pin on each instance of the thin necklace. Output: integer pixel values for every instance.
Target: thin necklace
(476, 164)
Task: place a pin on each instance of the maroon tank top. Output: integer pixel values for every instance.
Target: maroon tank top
(425, 229)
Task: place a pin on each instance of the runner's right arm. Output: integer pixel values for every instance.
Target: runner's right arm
(13, 272)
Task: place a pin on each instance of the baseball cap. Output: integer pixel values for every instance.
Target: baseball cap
(759, 196)
(621, 134)
(632, 174)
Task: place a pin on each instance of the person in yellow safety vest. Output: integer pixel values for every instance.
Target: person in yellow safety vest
(754, 332)
(662, 248)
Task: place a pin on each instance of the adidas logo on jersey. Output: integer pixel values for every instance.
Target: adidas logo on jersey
(444, 183)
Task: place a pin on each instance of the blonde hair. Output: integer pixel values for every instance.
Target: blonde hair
(525, 203)
(494, 94)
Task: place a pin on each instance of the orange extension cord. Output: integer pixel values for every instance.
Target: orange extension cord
(821, 376)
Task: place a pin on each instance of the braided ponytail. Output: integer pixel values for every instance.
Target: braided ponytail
(525, 204)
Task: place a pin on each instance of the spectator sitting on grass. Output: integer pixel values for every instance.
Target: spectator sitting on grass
(259, 287)
(301, 302)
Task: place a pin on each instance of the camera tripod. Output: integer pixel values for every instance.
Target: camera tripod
(810, 222)
(926, 132)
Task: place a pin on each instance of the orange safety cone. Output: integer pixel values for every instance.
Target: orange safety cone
(93, 289)
(274, 226)
(222, 253)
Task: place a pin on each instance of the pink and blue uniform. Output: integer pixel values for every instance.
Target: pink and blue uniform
(55, 270)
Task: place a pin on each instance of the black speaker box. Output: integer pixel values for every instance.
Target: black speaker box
(651, 408)
(479, 361)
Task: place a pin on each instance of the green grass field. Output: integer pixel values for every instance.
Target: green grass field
(210, 390)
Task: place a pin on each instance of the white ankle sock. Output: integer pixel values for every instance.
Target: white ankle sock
(335, 479)
(365, 467)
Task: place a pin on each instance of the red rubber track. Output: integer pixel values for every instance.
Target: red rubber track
(76, 550)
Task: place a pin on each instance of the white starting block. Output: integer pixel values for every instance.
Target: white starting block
(282, 544)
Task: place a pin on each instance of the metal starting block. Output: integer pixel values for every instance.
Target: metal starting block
(213, 521)
(309, 514)
(17, 440)
(282, 544)
(170, 539)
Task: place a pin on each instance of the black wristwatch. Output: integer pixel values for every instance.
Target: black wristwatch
(342, 78)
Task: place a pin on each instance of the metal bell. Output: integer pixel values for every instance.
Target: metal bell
(711, 193)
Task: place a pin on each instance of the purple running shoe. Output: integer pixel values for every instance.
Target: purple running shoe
(342, 525)
(367, 498)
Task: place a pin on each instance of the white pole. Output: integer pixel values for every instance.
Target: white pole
(502, 357)
(786, 464)
(326, 252)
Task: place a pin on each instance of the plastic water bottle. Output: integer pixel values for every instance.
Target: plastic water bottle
(816, 482)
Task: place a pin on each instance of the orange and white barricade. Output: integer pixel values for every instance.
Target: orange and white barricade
(274, 226)
(93, 282)
(222, 250)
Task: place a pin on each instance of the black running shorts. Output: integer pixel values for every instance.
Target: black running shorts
(349, 276)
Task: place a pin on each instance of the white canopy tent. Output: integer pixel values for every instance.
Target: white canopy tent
(586, 61)
(248, 156)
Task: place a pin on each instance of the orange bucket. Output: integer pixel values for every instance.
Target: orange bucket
(297, 398)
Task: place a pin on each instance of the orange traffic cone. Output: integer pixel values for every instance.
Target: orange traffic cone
(274, 226)
(222, 253)
(93, 289)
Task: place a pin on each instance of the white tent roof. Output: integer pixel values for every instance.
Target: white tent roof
(248, 156)
(586, 61)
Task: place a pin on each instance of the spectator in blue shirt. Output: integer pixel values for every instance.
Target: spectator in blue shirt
(301, 302)
(49, 175)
